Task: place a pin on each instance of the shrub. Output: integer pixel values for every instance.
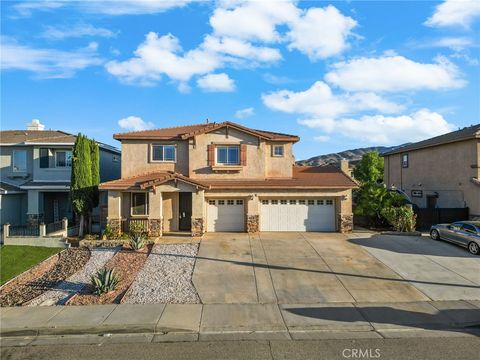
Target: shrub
(137, 228)
(109, 234)
(137, 242)
(104, 281)
(401, 218)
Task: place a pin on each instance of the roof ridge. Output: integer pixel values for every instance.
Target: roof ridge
(163, 128)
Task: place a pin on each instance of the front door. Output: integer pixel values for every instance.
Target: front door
(185, 211)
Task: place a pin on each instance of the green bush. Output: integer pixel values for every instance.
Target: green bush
(104, 281)
(109, 234)
(137, 228)
(137, 242)
(401, 218)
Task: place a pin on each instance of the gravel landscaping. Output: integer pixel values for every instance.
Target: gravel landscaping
(76, 283)
(69, 262)
(127, 264)
(166, 277)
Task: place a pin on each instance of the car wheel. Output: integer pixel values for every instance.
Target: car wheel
(435, 235)
(474, 248)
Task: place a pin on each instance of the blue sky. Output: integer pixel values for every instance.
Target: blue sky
(340, 75)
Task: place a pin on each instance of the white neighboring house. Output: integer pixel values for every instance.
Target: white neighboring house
(35, 174)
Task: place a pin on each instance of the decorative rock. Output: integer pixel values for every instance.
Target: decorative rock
(345, 223)
(198, 226)
(155, 227)
(116, 225)
(253, 223)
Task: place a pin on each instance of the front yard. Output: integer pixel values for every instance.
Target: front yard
(16, 259)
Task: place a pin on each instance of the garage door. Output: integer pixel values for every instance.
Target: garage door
(225, 215)
(297, 215)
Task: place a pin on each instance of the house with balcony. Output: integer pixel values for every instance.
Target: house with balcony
(35, 174)
(442, 172)
(216, 177)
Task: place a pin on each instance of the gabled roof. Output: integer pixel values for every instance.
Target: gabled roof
(148, 180)
(47, 137)
(467, 133)
(304, 177)
(189, 131)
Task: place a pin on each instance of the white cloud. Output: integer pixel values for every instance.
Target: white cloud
(455, 13)
(26, 8)
(158, 56)
(320, 33)
(75, 31)
(47, 63)
(319, 100)
(395, 73)
(276, 79)
(135, 123)
(216, 83)
(454, 43)
(243, 113)
(322, 138)
(387, 130)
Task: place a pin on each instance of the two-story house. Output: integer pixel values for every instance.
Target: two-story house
(224, 177)
(35, 174)
(441, 172)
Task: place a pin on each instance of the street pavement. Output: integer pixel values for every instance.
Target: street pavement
(458, 348)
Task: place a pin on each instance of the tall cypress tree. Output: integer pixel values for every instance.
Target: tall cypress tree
(95, 159)
(81, 179)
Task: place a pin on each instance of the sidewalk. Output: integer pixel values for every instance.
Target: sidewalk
(193, 322)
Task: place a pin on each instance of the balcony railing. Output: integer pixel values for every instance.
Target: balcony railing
(23, 230)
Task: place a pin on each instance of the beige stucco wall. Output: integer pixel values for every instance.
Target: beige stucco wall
(279, 166)
(136, 158)
(170, 211)
(446, 169)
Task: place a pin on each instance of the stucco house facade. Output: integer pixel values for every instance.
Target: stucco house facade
(35, 174)
(216, 177)
(441, 172)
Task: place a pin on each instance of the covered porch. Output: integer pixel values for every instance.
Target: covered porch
(166, 203)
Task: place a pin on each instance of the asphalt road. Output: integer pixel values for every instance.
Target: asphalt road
(458, 348)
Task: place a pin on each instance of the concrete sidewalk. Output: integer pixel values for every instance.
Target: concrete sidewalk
(192, 322)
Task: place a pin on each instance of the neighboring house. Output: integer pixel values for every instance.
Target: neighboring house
(224, 177)
(441, 172)
(35, 174)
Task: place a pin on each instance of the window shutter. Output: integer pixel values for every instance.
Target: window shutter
(211, 154)
(243, 154)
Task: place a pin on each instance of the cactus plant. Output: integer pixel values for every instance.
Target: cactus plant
(137, 242)
(104, 281)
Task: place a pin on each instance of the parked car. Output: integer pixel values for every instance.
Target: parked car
(463, 233)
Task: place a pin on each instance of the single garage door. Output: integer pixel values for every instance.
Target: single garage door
(225, 215)
(297, 215)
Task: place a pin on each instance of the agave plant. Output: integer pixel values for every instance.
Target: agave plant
(137, 242)
(104, 281)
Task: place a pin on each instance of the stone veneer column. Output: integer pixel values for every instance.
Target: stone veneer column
(155, 227)
(345, 223)
(116, 225)
(198, 226)
(253, 223)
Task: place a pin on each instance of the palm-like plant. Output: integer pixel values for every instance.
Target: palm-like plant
(104, 281)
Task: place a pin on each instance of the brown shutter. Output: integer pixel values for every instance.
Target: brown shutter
(211, 154)
(243, 154)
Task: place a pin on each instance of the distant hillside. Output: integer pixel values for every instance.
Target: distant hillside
(353, 156)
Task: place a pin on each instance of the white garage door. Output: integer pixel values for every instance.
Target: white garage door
(297, 215)
(225, 215)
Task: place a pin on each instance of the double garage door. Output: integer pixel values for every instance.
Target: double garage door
(275, 215)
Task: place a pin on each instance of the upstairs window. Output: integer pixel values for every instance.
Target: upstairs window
(19, 162)
(139, 204)
(278, 150)
(228, 155)
(165, 153)
(44, 158)
(63, 159)
(405, 160)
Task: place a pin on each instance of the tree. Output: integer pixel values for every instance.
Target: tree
(370, 168)
(95, 159)
(81, 180)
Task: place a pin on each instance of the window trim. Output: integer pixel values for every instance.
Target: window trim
(163, 153)
(405, 163)
(274, 147)
(66, 163)
(146, 204)
(26, 161)
(238, 163)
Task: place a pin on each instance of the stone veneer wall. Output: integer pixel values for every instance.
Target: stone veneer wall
(155, 227)
(198, 226)
(345, 223)
(253, 223)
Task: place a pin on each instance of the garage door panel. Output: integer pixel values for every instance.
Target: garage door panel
(225, 215)
(297, 215)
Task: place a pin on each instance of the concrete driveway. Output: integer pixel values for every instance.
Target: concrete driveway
(308, 268)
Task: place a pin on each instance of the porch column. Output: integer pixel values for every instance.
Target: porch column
(114, 211)
(252, 214)
(35, 208)
(155, 213)
(198, 210)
